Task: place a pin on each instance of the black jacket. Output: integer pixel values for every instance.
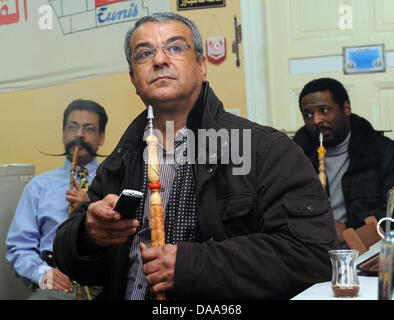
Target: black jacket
(370, 174)
(261, 235)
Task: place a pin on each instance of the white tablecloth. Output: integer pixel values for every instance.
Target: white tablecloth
(323, 291)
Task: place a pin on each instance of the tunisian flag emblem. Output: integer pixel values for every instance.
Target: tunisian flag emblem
(216, 49)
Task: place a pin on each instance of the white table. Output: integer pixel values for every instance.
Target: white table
(323, 291)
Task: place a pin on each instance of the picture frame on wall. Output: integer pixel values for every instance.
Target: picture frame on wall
(199, 4)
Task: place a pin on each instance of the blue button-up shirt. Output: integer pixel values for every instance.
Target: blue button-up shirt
(41, 209)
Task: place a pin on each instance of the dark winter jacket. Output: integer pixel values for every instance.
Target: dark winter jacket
(370, 174)
(263, 235)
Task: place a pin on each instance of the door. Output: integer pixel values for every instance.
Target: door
(305, 39)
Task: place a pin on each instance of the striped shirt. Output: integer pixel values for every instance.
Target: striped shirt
(136, 283)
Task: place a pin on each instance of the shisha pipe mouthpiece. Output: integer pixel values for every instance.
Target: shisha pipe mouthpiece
(320, 137)
(150, 117)
(150, 113)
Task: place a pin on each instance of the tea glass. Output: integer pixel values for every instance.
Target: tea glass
(344, 281)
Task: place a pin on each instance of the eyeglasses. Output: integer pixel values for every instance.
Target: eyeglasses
(173, 49)
(87, 128)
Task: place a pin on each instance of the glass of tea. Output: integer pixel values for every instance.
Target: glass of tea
(344, 281)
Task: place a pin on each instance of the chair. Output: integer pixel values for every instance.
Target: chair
(364, 237)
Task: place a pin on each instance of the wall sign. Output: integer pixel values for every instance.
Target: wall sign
(200, 4)
(85, 40)
(364, 59)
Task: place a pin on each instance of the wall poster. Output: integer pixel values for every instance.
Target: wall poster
(199, 4)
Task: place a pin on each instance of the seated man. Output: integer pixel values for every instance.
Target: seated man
(258, 228)
(44, 203)
(359, 160)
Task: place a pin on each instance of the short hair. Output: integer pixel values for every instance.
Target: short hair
(337, 90)
(87, 105)
(164, 17)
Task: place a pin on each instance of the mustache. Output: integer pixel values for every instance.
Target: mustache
(166, 73)
(73, 143)
(321, 128)
(316, 137)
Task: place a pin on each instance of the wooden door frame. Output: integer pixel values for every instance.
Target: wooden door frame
(255, 61)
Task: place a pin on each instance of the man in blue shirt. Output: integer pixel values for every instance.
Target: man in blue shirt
(44, 203)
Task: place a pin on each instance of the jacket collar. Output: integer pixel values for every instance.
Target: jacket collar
(363, 146)
(205, 111)
(305, 141)
(204, 116)
(131, 142)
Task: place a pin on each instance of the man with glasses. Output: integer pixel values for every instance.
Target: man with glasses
(263, 233)
(44, 203)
